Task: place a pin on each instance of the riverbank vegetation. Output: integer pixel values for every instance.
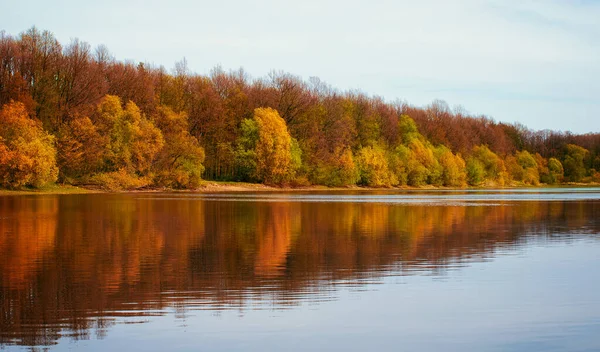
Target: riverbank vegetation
(75, 115)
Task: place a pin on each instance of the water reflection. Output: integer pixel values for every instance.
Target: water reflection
(71, 264)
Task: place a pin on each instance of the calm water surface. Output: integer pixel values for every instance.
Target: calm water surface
(500, 270)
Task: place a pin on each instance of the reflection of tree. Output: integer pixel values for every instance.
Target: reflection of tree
(70, 263)
(274, 230)
(27, 233)
(27, 236)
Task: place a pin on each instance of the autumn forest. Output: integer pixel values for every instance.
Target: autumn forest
(72, 114)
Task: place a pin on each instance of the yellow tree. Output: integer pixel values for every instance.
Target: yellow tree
(27, 153)
(373, 166)
(274, 162)
(132, 147)
(484, 165)
(179, 163)
(453, 167)
(514, 169)
(524, 167)
(134, 141)
(425, 159)
(337, 169)
(530, 167)
(413, 162)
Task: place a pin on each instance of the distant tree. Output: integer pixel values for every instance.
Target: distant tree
(40, 62)
(291, 98)
(81, 83)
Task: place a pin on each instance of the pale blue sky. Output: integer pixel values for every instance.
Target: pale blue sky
(535, 62)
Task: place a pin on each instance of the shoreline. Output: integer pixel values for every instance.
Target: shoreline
(225, 187)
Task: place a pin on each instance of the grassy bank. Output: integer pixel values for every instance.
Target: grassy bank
(220, 186)
(215, 186)
(51, 189)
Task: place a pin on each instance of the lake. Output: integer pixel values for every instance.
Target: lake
(480, 270)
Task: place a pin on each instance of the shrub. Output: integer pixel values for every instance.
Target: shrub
(119, 180)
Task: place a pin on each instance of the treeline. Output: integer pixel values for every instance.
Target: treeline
(76, 115)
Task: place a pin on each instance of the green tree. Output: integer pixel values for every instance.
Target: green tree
(475, 171)
(337, 170)
(407, 128)
(574, 167)
(525, 159)
(296, 153)
(556, 171)
(493, 167)
(245, 152)
(529, 165)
